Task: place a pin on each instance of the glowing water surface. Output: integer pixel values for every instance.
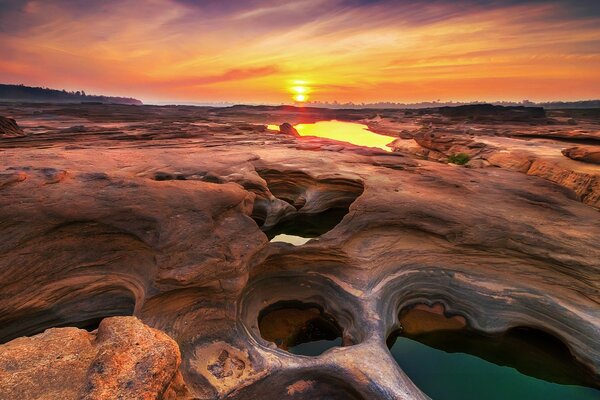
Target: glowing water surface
(348, 132)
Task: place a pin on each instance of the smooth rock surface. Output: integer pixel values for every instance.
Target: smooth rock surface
(158, 213)
(583, 153)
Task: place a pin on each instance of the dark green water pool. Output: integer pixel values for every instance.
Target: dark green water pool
(459, 376)
(315, 348)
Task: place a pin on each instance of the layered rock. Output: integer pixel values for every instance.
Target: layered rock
(9, 128)
(168, 229)
(587, 154)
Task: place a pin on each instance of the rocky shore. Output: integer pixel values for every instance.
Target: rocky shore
(135, 259)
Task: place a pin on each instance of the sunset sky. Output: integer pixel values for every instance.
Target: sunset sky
(344, 50)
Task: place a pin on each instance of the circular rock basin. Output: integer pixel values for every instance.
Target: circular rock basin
(299, 328)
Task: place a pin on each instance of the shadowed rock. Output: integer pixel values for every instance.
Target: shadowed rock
(9, 128)
(288, 129)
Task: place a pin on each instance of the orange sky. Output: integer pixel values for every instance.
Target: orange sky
(344, 50)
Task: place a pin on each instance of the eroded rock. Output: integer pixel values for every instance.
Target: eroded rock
(123, 359)
(170, 227)
(587, 154)
(9, 128)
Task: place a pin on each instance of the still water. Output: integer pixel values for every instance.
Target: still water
(461, 376)
(349, 132)
(315, 348)
(292, 239)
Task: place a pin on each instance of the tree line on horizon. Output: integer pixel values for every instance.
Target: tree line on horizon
(41, 94)
(437, 103)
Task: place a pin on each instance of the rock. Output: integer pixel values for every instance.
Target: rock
(492, 113)
(123, 359)
(477, 163)
(9, 128)
(449, 145)
(288, 129)
(589, 154)
(586, 186)
(513, 160)
(175, 230)
(8, 177)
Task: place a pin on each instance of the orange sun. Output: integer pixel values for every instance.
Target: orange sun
(300, 97)
(299, 92)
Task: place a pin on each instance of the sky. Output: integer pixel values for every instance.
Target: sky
(270, 51)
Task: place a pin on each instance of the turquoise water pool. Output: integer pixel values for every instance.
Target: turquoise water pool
(460, 376)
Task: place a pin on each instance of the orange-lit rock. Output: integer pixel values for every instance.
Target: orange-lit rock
(159, 213)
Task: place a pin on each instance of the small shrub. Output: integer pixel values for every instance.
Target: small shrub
(459, 158)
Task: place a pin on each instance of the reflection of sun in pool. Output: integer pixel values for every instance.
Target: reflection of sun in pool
(349, 132)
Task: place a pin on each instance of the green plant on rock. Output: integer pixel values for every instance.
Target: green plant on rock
(459, 158)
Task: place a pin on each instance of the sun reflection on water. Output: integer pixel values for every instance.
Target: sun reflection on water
(349, 132)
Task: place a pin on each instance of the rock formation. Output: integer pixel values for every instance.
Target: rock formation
(9, 128)
(587, 154)
(171, 224)
(287, 129)
(122, 359)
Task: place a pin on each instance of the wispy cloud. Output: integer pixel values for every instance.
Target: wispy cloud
(345, 49)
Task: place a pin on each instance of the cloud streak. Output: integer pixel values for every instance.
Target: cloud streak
(347, 50)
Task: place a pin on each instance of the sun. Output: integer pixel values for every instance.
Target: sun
(299, 92)
(300, 97)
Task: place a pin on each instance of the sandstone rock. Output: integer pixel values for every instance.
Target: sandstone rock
(288, 129)
(588, 154)
(492, 113)
(513, 160)
(8, 177)
(124, 359)
(586, 186)
(9, 128)
(449, 145)
(140, 231)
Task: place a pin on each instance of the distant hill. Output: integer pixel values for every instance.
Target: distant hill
(39, 94)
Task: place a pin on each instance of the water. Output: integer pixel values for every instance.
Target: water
(461, 376)
(340, 131)
(292, 239)
(307, 226)
(315, 348)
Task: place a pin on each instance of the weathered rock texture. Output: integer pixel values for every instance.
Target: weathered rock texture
(123, 359)
(9, 128)
(584, 153)
(158, 214)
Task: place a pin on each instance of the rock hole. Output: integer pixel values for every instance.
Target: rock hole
(449, 360)
(299, 328)
(304, 207)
